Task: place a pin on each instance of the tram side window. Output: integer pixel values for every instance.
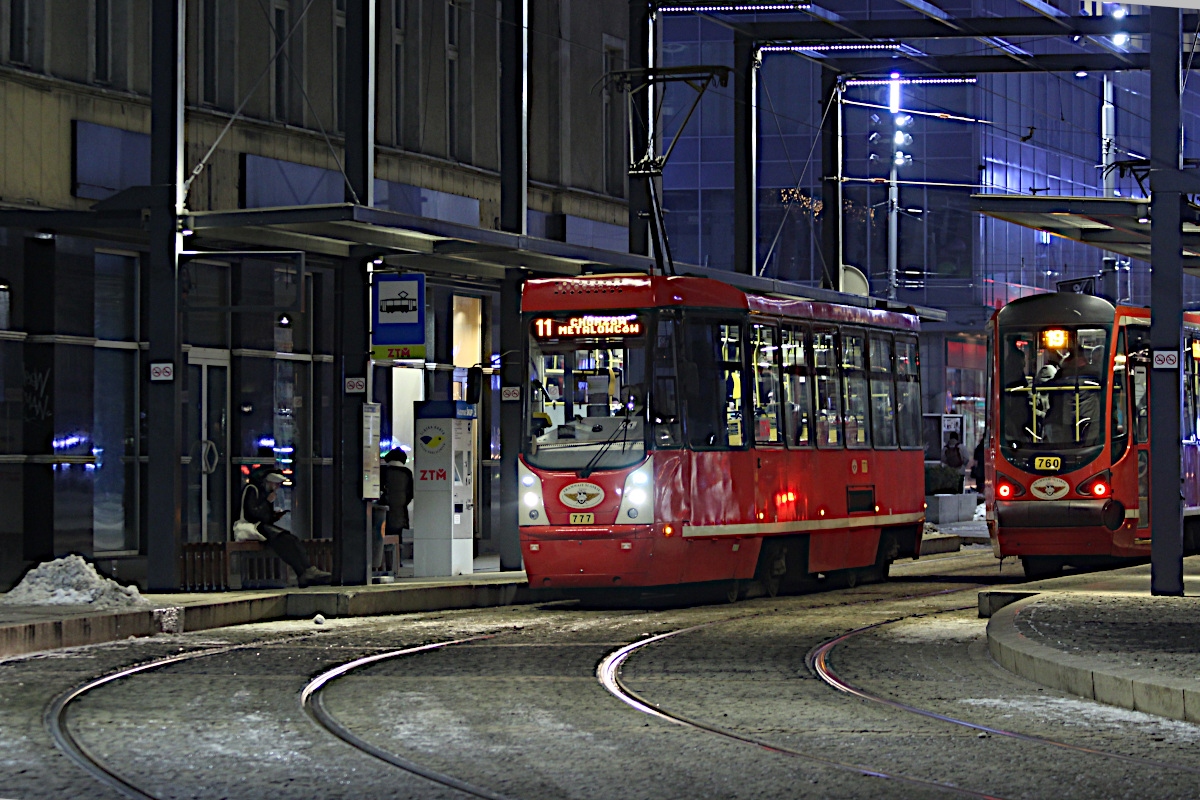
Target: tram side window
(765, 361)
(883, 392)
(908, 393)
(710, 366)
(797, 387)
(663, 410)
(1120, 400)
(1139, 359)
(1191, 357)
(829, 390)
(854, 376)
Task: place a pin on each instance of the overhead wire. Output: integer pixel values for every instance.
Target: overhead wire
(187, 184)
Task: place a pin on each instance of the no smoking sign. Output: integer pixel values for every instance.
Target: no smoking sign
(1166, 359)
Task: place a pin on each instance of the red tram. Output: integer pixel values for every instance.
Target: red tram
(681, 431)
(1067, 467)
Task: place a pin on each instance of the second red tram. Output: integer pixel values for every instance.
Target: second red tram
(1067, 468)
(681, 431)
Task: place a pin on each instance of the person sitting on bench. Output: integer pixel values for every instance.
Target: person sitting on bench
(258, 505)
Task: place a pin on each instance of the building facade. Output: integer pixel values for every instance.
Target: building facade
(265, 107)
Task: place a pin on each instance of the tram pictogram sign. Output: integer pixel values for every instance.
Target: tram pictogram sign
(398, 317)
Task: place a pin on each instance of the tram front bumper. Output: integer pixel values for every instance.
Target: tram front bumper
(1106, 513)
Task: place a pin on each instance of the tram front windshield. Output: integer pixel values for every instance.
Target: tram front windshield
(587, 385)
(1052, 394)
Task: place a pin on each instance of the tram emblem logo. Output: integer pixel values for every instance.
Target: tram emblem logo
(581, 495)
(1049, 487)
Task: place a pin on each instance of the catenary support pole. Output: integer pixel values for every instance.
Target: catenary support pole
(745, 154)
(506, 533)
(1166, 303)
(514, 115)
(164, 408)
(831, 184)
(641, 32)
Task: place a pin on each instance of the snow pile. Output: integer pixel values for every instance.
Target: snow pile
(72, 581)
(980, 511)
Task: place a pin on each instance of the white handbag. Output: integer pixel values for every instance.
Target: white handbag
(243, 529)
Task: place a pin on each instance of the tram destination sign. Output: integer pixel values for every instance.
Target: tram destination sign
(587, 326)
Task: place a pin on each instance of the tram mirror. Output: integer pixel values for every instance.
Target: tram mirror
(474, 383)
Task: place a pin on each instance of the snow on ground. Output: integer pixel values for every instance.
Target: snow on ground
(980, 511)
(72, 581)
(1087, 714)
(933, 630)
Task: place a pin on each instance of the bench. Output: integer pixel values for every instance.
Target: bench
(225, 566)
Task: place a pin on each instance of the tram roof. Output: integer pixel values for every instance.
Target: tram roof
(1118, 224)
(636, 290)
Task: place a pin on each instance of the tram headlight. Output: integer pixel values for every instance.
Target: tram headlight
(534, 511)
(637, 498)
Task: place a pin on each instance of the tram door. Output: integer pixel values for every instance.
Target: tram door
(206, 445)
(1139, 385)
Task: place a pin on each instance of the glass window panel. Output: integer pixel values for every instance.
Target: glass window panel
(797, 387)
(854, 357)
(710, 366)
(765, 360)
(883, 393)
(908, 393)
(115, 471)
(114, 298)
(828, 388)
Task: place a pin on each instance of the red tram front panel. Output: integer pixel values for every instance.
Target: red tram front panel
(1068, 493)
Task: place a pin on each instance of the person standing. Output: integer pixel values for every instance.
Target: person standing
(258, 506)
(952, 454)
(396, 490)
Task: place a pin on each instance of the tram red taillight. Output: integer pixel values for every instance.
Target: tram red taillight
(1097, 485)
(1007, 488)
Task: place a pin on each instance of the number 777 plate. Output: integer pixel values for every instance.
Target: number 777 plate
(583, 519)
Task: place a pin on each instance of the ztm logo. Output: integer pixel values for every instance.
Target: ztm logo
(433, 474)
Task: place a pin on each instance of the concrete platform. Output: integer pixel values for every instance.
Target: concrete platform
(28, 629)
(1102, 636)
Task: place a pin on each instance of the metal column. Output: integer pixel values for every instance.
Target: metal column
(164, 409)
(505, 533)
(358, 87)
(831, 185)
(641, 31)
(1166, 303)
(745, 155)
(514, 115)
(351, 536)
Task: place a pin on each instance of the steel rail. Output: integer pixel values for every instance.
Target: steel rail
(314, 707)
(55, 718)
(608, 673)
(818, 661)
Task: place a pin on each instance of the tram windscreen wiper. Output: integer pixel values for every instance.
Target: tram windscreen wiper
(590, 467)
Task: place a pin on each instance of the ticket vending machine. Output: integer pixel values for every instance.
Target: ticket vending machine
(443, 488)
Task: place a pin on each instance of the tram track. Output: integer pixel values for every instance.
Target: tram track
(58, 710)
(447, 774)
(818, 661)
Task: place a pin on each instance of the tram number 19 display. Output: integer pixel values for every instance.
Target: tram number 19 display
(590, 325)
